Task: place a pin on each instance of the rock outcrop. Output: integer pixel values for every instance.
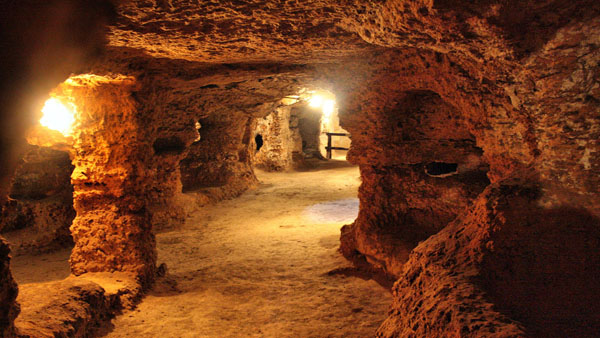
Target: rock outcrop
(74, 307)
(41, 43)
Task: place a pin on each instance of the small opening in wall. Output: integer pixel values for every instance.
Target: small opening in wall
(441, 169)
(259, 141)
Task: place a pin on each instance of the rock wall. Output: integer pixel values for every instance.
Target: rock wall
(220, 160)
(278, 141)
(40, 210)
(8, 294)
(508, 267)
(424, 154)
(59, 36)
(525, 101)
(558, 86)
(516, 82)
(112, 230)
(309, 125)
(212, 161)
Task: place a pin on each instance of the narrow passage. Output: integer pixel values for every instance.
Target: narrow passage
(257, 266)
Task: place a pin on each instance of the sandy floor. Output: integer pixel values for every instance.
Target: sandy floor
(262, 265)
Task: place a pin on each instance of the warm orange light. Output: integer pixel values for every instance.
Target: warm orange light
(319, 101)
(328, 107)
(58, 116)
(316, 101)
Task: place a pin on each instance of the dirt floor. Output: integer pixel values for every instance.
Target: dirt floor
(261, 265)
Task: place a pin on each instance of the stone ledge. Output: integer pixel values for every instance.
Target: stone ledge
(75, 306)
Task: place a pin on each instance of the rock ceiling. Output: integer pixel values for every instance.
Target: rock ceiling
(316, 31)
(238, 31)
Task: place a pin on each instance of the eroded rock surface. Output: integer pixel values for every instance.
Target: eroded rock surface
(112, 229)
(278, 140)
(39, 212)
(8, 294)
(242, 31)
(441, 97)
(505, 268)
(427, 168)
(75, 306)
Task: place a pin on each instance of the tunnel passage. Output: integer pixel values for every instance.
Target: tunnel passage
(530, 96)
(296, 131)
(221, 158)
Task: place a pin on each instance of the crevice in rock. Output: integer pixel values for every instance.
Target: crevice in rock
(441, 169)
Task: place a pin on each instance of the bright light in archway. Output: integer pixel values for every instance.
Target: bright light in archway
(328, 107)
(58, 116)
(316, 101)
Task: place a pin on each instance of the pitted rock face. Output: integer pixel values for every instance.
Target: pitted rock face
(238, 31)
(490, 272)
(491, 87)
(8, 293)
(112, 228)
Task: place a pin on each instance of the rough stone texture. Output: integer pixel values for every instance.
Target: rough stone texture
(75, 306)
(559, 86)
(520, 77)
(226, 99)
(442, 81)
(527, 97)
(237, 31)
(59, 38)
(280, 140)
(505, 268)
(219, 163)
(40, 210)
(60, 35)
(8, 293)
(309, 125)
(112, 229)
(401, 203)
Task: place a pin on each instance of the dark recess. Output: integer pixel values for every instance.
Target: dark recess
(168, 145)
(440, 168)
(259, 141)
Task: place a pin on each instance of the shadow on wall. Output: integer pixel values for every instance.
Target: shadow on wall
(506, 267)
(543, 269)
(40, 211)
(420, 167)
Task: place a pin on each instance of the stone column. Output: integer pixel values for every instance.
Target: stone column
(112, 229)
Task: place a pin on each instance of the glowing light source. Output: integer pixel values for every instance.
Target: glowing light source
(328, 107)
(57, 116)
(316, 101)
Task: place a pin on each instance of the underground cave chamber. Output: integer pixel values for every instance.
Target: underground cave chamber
(167, 172)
